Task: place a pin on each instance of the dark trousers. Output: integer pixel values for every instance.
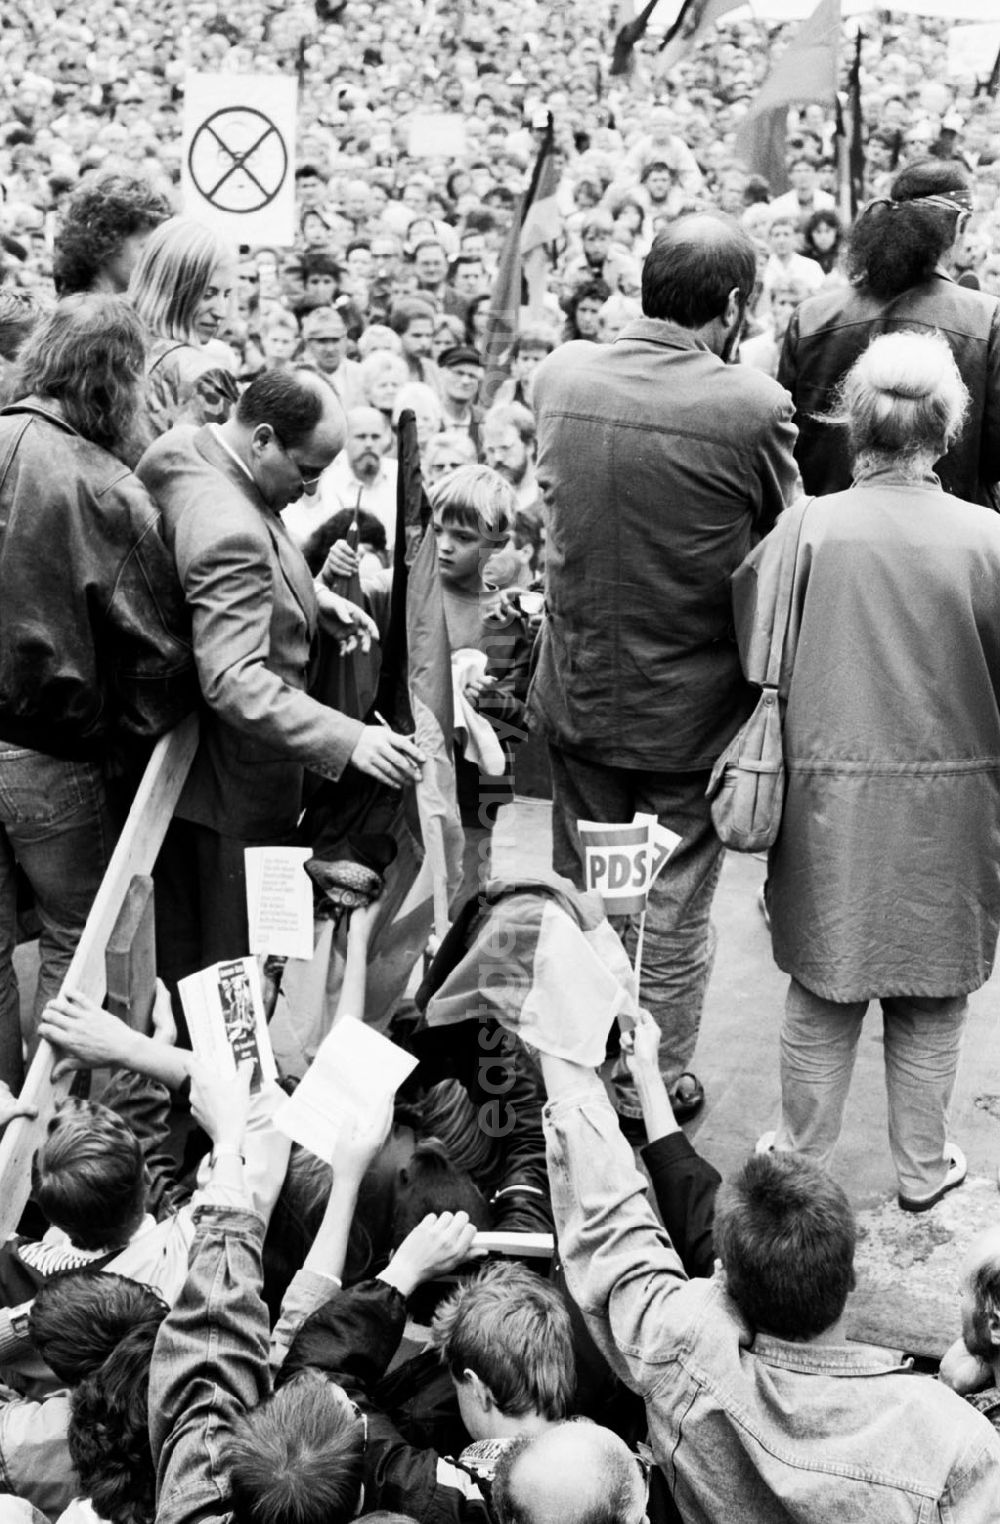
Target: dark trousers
(201, 900)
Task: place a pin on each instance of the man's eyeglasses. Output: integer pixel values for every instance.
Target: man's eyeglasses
(307, 481)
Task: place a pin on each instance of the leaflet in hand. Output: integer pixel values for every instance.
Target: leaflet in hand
(279, 901)
(355, 1070)
(224, 1007)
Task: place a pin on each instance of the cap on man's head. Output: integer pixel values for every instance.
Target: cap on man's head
(458, 354)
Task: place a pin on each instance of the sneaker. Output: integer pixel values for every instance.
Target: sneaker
(765, 1143)
(958, 1168)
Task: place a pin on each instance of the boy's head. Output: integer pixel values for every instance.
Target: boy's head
(474, 509)
(89, 1176)
(79, 1318)
(781, 236)
(506, 1339)
(784, 300)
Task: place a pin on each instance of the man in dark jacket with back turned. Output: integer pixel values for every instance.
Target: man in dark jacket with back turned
(660, 464)
(95, 656)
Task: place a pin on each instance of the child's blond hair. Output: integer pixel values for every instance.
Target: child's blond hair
(476, 497)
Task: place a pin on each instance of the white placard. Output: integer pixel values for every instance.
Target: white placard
(973, 49)
(437, 135)
(279, 901)
(238, 163)
(355, 1070)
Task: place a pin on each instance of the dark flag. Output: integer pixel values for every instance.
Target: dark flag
(623, 61)
(856, 133)
(535, 223)
(691, 27)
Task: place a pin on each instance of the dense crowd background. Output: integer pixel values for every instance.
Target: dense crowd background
(100, 88)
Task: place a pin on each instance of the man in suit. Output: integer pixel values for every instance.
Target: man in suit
(254, 611)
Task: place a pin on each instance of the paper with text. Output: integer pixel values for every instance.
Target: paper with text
(279, 901)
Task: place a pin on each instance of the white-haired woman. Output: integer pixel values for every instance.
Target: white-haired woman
(182, 289)
(883, 883)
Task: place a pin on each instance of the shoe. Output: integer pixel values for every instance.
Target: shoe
(765, 1143)
(957, 1171)
(762, 905)
(687, 1100)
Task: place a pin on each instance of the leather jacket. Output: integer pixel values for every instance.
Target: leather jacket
(832, 329)
(95, 654)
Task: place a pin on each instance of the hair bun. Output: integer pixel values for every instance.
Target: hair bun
(911, 387)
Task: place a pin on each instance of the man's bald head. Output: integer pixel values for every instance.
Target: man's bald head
(287, 427)
(570, 1473)
(694, 266)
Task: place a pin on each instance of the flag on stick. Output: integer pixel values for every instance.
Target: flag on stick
(621, 863)
(623, 59)
(536, 223)
(691, 27)
(806, 71)
(855, 134)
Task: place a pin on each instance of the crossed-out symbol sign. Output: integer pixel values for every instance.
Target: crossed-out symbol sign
(238, 160)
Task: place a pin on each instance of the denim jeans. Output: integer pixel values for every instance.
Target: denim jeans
(819, 1040)
(55, 822)
(679, 941)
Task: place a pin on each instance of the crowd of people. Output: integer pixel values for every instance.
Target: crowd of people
(724, 397)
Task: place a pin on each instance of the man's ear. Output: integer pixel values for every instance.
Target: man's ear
(734, 307)
(483, 1395)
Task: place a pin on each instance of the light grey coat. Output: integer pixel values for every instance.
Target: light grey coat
(884, 878)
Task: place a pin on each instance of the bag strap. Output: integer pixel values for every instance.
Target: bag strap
(783, 602)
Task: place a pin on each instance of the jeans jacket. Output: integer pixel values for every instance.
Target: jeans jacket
(210, 1365)
(744, 1427)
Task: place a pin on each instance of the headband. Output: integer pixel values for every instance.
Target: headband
(948, 201)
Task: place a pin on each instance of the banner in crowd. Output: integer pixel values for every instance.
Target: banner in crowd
(238, 155)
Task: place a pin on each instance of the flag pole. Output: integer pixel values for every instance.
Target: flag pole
(640, 943)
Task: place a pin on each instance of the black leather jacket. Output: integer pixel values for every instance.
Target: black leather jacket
(95, 654)
(829, 332)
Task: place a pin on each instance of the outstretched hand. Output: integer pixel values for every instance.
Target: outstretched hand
(436, 1245)
(351, 627)
(221, 1103)
(87, 1036)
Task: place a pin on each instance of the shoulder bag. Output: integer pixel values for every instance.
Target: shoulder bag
(747, 786)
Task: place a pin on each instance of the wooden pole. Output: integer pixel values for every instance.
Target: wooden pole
(135, 853)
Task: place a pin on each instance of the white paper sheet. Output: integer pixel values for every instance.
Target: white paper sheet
(354, 1071)
(279, 901)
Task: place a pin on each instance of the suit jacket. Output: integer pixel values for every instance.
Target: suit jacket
(254, 616)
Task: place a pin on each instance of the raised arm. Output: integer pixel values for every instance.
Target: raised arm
(210, 1360)
(621, 1269)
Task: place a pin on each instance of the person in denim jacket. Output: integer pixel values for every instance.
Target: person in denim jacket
(758, 1407)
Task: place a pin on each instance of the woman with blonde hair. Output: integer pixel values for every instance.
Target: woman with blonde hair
(883, 883)
(182, 289)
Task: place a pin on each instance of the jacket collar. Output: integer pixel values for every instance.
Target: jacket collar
(667, 335)
(211, 450)
(40, 407)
